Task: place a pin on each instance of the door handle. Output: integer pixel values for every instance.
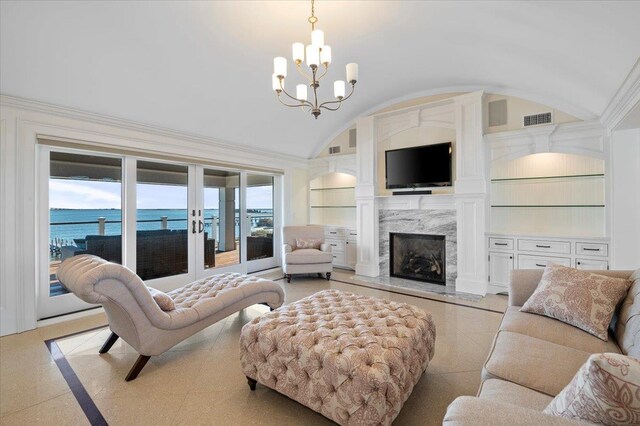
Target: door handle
(542, 266)
(200, 226)
(193, 226)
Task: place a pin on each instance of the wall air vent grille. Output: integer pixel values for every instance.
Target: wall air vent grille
(334, 149)
(352, 138)
(537, 119)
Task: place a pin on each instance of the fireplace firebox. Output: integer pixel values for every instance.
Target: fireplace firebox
(418, 257)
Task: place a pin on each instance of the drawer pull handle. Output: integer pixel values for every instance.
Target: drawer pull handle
(331, 232)
(541, 246)
(590, 249)
(542, 266)
(501, 244)
(334, 245)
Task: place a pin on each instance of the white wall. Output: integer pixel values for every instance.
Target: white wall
(625, 171)
(23, 122)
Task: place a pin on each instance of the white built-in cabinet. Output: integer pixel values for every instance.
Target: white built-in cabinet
(343, 242)
(507, 252)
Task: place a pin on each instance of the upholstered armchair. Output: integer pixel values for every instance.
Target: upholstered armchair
(305, 252)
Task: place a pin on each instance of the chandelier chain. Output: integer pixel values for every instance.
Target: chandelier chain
(312, 18)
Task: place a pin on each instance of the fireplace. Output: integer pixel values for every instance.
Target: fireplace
(418, 257)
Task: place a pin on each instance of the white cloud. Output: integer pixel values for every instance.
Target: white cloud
(68, 194)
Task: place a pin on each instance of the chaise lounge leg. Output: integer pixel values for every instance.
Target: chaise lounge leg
(137, 367)
(328, 276)
(252, 383)
(110, 341)
(288, 278)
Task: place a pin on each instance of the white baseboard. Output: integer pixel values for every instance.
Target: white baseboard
(368, 269)
(471, 286)
(69, 317)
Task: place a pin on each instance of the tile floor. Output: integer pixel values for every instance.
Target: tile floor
(200, 381)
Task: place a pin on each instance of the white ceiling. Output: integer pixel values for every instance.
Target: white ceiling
(205, 68)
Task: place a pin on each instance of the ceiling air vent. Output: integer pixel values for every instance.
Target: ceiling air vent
(334, 149)
(352, 138)
(537, 119)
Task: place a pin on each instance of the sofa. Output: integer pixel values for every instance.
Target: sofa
(534, 357)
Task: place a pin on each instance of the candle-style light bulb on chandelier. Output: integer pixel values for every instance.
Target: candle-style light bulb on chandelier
(317, 53)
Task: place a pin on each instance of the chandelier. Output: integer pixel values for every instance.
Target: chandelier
(317, 53)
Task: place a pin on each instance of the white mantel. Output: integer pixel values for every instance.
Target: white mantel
(464, 114)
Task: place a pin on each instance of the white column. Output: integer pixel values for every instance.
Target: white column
(366, 203)
(101, 225)
(471, 195)
(164, 223)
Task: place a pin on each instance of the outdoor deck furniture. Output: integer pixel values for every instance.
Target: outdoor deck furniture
(135, 314)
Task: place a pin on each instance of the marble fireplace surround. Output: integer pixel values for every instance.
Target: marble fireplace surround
(420, 221)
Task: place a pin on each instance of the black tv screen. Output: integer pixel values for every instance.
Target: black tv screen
(419, 167)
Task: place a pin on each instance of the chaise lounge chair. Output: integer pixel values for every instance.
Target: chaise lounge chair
(134, 310)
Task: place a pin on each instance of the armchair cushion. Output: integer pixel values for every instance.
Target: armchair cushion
(308, 243)
(307, 256)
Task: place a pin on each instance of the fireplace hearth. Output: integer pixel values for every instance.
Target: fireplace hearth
(418, 257)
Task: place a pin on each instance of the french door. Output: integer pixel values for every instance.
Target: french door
(170, 222)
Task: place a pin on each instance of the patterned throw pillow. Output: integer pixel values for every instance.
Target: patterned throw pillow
(308, 243)
(579, 298)
(162, 299)
(606, 390)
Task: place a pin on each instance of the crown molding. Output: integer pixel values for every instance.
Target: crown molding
(130, 125)
(627, 96)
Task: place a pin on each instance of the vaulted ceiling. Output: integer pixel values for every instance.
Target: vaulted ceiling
(205, 67)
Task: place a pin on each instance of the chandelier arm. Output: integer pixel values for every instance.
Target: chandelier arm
(290, 106)
(331, 109)
(304, 74)
(295, 99)
(340, 101)
(326, 69)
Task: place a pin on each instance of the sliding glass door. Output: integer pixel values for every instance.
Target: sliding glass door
(170, 222)
(82, 199)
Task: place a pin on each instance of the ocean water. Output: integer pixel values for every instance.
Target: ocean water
(67, 224)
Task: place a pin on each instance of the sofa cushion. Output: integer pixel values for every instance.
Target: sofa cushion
(533, 363)
(627, 329)
(580, 298)
(503, 391)
(554, 331)
(605, 391)
(307, 256)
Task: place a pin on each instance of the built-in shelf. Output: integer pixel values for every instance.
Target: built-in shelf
(553, 205)
(333, 207)
(546, 177)
(332, 189)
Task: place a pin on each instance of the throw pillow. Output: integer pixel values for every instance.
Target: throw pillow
(162, 299)
(606, 390)
(579, 298)
(308, 243)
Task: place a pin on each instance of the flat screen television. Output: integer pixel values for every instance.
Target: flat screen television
(425, 166)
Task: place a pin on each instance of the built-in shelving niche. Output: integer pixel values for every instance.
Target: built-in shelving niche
(549, 194)
(333, 200)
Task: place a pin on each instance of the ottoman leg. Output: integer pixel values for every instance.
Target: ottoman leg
(252, 383)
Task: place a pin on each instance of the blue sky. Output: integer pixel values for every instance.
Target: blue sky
(83, 194)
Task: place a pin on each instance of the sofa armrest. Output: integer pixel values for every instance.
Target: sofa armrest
(325, 247)
(522, 284)
(468, 410)
(286, 248)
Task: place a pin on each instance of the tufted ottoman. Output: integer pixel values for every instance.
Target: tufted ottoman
(354, 359)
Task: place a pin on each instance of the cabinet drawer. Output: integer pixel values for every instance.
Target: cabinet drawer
(594, 264)
(336, 245)
(591, 249)
(333, 232)
(526, 261)
(501, 243)
(352, 235)
(339, 258)
(560, 247)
